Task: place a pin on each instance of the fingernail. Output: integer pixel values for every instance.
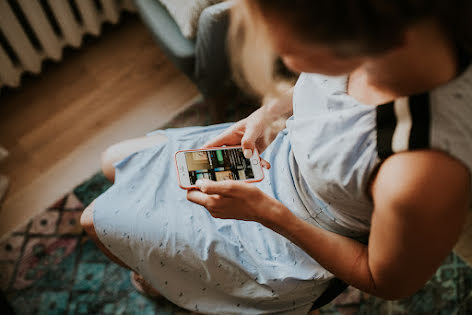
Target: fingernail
(199, 183)
(247, 153)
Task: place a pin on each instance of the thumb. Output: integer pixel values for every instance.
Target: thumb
(224, 188)
(248, 141)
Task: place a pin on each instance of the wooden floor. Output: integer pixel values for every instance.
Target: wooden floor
(55, 126)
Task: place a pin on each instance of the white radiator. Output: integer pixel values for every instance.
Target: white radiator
(34, 30)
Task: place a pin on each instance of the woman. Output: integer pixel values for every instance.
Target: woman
(369, 182)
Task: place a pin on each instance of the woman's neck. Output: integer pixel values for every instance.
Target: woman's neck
(426, 60)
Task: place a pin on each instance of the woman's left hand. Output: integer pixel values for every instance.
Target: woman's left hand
(230, 199)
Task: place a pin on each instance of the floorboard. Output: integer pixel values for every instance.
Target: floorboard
(55, 125)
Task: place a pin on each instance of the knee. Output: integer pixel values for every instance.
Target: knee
(86, 219)
(107, 160)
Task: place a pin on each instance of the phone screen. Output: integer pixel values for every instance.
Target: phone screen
(218, 165)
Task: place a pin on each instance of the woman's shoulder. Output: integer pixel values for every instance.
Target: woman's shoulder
(431, 183)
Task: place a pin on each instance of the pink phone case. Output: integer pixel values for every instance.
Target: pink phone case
(206, 149)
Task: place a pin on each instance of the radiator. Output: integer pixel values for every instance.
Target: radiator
(32, 31)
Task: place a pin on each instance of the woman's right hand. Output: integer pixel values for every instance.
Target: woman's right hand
(250, 133)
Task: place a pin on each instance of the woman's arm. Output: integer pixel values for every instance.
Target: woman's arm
(420, 200)
(420, 203)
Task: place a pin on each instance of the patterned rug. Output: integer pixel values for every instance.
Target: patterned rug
(49, 266)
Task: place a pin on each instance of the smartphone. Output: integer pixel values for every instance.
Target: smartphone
(217, 164)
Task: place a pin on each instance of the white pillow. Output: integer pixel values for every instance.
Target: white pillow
(186, 13)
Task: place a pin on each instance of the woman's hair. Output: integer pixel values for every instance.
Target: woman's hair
(349, 27)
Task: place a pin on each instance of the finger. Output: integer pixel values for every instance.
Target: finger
(228, 137)
(223, 188)
(265, 164)
(198, 197)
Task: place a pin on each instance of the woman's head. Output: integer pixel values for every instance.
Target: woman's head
(332, 36)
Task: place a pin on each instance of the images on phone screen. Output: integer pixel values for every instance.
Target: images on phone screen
(218, 165)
